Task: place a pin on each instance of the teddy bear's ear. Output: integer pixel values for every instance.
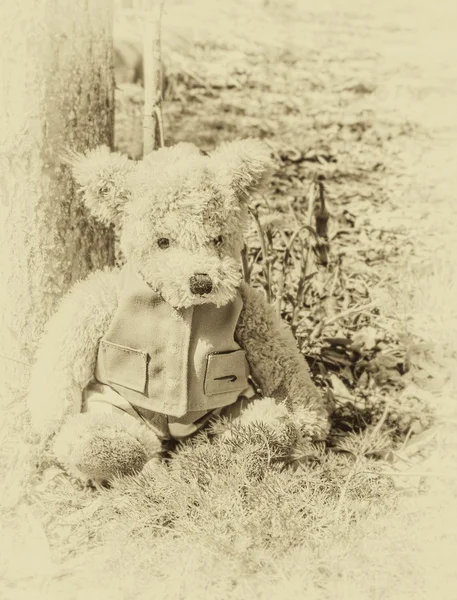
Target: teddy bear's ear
(244, 164)
(102, 176)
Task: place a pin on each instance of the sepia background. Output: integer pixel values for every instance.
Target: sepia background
(357, 101)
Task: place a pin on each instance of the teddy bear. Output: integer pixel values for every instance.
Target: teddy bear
(160, 348)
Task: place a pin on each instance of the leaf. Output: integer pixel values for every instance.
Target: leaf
(365, 338)
(340, 341)
(340, 391)
(311, 266)
(364, 379)
(334, 357)
(381, 362)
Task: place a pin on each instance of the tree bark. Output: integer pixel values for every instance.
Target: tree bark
(56, 93)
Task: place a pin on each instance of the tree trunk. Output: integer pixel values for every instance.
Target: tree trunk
(56, 93)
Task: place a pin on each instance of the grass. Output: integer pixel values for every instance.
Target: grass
(334, 90)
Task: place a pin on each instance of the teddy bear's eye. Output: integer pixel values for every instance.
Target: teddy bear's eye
(104, 190)
(163, 243)
(218, 241)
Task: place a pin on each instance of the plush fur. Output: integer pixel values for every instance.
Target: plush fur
(65, 359)
(102, 446)
(275, 361)
(181, 213)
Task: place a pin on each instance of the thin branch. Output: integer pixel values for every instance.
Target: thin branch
(159, 118)
(440, 474)
(265, 254)
(21, 362)
(311, 200)
(152, 115)
(350, 311)
(322, 216)
(245, 264)
(305, 260)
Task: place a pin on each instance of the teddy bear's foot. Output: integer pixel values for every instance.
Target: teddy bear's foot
(97, 447)
(267, 413)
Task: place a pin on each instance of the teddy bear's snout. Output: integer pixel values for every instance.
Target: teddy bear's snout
(200, 284)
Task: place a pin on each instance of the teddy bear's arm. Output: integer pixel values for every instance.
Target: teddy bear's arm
(66, 355)
(275, 361)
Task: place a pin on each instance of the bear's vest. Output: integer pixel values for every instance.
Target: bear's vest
(171, 361)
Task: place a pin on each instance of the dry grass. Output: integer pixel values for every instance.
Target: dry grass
(224, 520)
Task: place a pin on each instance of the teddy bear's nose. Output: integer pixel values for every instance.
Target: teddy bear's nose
(200, 284)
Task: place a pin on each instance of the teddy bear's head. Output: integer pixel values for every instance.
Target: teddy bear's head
(183, 213)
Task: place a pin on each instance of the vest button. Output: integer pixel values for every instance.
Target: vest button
(172, 383)
(173, 349)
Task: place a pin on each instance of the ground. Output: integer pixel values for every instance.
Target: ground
(362, 94)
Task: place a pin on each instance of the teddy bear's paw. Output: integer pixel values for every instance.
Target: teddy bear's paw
(98, 447)
(273, 418)
(312, 423)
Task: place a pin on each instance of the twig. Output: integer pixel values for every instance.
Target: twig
(322, 216)
(198, 78)
(21, 362)
(446, 475)
(159, 119)
(342, 315)
(245, 264)
(408, 435)
(312, 200)
(152, 115)
(305, 263)
(265, 254)
(350, 311)
(334, 280)
(300, 295)
(381, 421)
(287, 254)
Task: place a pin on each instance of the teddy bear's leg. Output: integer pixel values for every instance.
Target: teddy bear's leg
(95, 446)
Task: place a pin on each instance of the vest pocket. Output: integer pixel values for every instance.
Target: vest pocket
(226, 372)
(124, 366)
